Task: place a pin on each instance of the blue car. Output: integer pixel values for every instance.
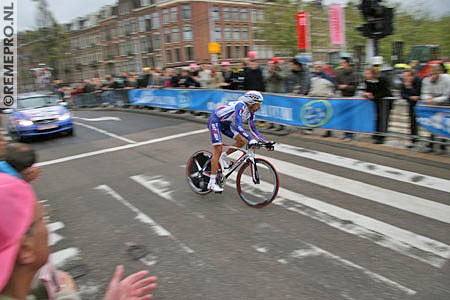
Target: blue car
(39, 115)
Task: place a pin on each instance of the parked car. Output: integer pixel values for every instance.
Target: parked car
(38, 115)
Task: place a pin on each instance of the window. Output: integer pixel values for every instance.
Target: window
(235, 14)
(186, 8)
(229, 52)
(175, 35)
(246, 50)
(237, 51)
(157, 41)
(188, 53)
(226, 14)
(166, 16)
(155, 21)
(227, 33)
(144, 45)
(244, 14)
(187, 33)
(236, 34)
(174, 14)
(167, 38)
(142, 24)
(150, 44)
(177, 55)
(218, 33)
(244, 33)
(169, 56)
(216, 13)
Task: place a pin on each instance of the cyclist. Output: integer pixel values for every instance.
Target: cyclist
(228, 120)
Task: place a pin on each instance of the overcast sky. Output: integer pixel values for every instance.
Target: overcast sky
(66, 11)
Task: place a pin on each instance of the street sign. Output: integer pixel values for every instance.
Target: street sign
(214, 48)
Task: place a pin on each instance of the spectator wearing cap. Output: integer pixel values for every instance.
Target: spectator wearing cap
(297, 78)
(24, 249)
(274, 76)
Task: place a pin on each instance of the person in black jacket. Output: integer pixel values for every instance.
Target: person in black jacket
(253, 78)
(410, 91)
(378, 88)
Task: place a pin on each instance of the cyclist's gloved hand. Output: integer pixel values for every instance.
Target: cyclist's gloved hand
(253, 143)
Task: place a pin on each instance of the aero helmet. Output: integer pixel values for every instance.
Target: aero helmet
(252, 97)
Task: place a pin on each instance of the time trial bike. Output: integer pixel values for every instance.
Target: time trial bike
(257, 181)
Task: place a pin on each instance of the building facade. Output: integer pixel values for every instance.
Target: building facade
(133, 34)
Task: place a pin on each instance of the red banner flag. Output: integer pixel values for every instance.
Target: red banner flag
(303, 30)
(337, 24)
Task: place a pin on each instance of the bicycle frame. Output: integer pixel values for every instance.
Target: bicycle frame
(247, 155)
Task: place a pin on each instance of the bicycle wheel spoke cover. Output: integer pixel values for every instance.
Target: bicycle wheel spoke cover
(257, 193)
(198, 170)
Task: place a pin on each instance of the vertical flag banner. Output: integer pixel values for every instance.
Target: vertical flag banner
(336, 21)
(303, 30)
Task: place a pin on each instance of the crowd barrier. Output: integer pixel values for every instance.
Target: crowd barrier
(342, 114)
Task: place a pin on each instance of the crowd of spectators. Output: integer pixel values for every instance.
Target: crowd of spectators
(288, 76)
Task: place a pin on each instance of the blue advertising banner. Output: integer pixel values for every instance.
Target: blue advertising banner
(350, 114)
(435, 119)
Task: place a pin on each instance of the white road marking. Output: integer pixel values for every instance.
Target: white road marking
(52, 227)
(370, 168)
(158, 229)
(119, 148)
(54, 238)
(58, 258)
(420, 206)
(158, 185)
(316, 251)
(99, 119)
(106, 133)
(407, 243)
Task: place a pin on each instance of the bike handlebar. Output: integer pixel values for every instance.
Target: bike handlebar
(269, 145)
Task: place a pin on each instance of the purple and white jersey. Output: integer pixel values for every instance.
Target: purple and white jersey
(235, 112)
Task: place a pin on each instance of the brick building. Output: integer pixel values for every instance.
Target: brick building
(132, 34)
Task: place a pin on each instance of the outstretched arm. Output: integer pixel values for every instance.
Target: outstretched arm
(134, 287)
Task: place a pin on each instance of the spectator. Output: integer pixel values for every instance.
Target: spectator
(4, 166)
(217, 80)
(274, 76)
(24, 249)
(253, 77)
(435, 91)
(346, 82)
(22, 157)
(410, 91)
(322, 83)
(230, 77)
(204, 76)
(297, 79)
(186, 80)
(377, 88)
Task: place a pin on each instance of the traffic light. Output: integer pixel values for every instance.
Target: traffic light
(379, 19)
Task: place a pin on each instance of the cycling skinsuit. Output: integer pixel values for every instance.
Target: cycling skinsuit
(228, 120)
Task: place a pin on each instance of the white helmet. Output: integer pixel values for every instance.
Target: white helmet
(252, 97)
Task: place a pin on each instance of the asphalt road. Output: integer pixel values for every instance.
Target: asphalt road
(348, 223)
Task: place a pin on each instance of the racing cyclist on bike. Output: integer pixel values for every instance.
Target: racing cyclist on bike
(228, 120)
